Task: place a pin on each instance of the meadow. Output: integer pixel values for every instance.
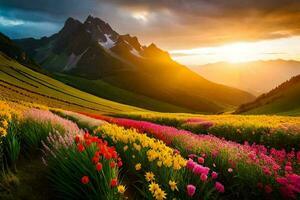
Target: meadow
(271, 131)
(92, 156)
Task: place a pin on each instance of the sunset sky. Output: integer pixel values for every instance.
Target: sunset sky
(193, 31)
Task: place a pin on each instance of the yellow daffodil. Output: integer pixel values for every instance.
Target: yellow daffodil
(149, 176)
(153, 187)
(138, 166)
(121, 189)
(159, 194)
(173, 185)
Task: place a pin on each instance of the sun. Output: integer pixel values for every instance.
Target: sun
(238, 52)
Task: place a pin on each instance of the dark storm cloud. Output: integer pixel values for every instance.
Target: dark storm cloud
(170, 23)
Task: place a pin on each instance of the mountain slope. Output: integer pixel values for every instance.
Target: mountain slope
(19, 83)
(284, 99)
(9, 48)
(93, 50)
(256, 77)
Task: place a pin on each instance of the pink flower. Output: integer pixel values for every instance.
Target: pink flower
(191, 189)
(190, 164)
(214, 175)
(282, 180)
(288, 168)
(219, 187)
(197, 169)
(268, 189)
(203, 177)
(230, 170)
(200, 160)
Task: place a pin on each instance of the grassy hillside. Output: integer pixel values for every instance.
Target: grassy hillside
(107, 91)
(283, 100)
(20, 83)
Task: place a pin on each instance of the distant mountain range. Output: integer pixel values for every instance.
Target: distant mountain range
(255, 77)
(284, 100)
(92, 51)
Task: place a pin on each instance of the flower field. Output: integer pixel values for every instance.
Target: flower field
(90, 156)
(267, 130)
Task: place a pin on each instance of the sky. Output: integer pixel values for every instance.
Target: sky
(194, 31)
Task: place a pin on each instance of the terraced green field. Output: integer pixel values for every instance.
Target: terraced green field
(19, 83)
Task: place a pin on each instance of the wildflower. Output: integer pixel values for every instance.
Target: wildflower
(268, 189)
(191, 189)
(95, 159)
(288, 168)
(120, 163)
(230, 170)
(85, 180)
(80, 147)
(159, 163)
(125, 148)
(114, 182)
(203, 177)
(112, 164)
(200, 160)
(153, 187)
(121, 189)
(190, 164)
(214, 175)
(159, 194)
(98, 166)
(77, 138)
(149, 176)
(4, 124)
(219, 187)
(138, 166)
(173, 185)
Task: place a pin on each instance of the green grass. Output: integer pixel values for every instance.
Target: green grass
(20, 83)
(108, 91)
(283, 100)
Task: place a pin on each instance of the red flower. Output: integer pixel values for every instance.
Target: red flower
(112, 164)
(268, 189)
(120, 164)
(114, 182)
(98, 166)
(95, 159)
(77, 138)
(86, 135)
(80, 147)
(85, 180)
(88, 142)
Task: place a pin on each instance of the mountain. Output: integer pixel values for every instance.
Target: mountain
(94, 51)
(10, 49)
(255, 77)
(284, 99)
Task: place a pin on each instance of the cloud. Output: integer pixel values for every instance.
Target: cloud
(172, 24)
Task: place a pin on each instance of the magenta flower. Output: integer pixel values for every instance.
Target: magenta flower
(190, 164)
(203, 177)
(191, 189)
(214, 175)
(219, 187)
